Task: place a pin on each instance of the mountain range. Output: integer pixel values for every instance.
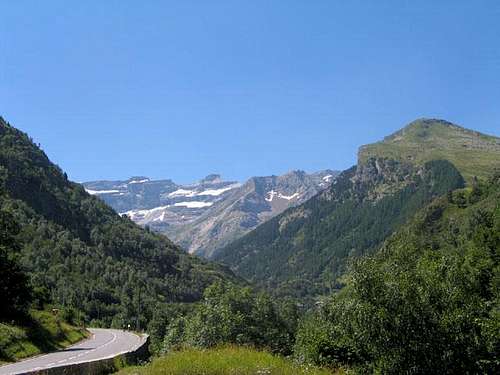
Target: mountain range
(207, 215)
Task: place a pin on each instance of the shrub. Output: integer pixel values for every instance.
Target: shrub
(231, 314)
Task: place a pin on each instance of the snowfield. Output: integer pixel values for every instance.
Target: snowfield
(193, 193)
(193, 204)
(97, 192)
(138, 181)
(138, 214)
(217, 192)
(182, 193)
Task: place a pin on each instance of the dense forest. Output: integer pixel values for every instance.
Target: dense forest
(15, 287)
(70, 249)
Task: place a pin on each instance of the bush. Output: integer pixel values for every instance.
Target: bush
(231, 314)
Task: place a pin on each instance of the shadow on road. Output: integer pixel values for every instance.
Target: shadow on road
(73, 349)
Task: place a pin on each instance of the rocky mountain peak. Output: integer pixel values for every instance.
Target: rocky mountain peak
(423, 140)
(212, 179)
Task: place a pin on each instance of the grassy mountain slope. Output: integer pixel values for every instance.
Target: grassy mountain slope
(473, 153)
(80, 254)
(304, 250)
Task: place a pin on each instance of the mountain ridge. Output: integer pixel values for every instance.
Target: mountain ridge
(432, 139)
(210, 213)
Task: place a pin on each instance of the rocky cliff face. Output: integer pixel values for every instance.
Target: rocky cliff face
(207, 215)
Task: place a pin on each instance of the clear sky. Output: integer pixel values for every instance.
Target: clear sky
(180, 89)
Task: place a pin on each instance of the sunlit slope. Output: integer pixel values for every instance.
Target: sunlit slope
(473, 153)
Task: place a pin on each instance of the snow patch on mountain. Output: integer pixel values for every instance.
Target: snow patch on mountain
(139, 214)
(138, 181)
(194, 193)
(193, 204)
(217, 192)
(98, 192)
(182, 193)
(289, 197)
(274, 194)
(161, 217)
(270, 195)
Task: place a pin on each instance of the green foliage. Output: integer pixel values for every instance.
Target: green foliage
(304, 251)
(234, 315)
(163, 316)
(428, 302)
(224, 361)
(80, 254)
(314, 339)
(15, 292)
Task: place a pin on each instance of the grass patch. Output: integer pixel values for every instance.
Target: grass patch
(223, 360)
(40, 332)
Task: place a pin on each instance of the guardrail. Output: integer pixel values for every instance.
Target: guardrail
(101, 366)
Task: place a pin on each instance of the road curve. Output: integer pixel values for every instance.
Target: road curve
(104, 343)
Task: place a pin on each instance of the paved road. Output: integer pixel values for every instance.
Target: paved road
(104, 343)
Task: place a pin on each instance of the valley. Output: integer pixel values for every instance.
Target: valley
(250, 187)
(300, 263)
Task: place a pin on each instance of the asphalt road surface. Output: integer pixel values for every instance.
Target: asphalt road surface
(104, 343)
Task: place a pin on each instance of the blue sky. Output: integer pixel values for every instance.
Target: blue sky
(180, 89)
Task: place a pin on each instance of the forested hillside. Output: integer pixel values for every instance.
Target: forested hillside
(427, 303)
(305, 250)
(81, 255)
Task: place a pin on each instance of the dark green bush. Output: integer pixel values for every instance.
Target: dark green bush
(233, 315)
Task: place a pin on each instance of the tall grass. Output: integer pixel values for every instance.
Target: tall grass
(221, 361)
